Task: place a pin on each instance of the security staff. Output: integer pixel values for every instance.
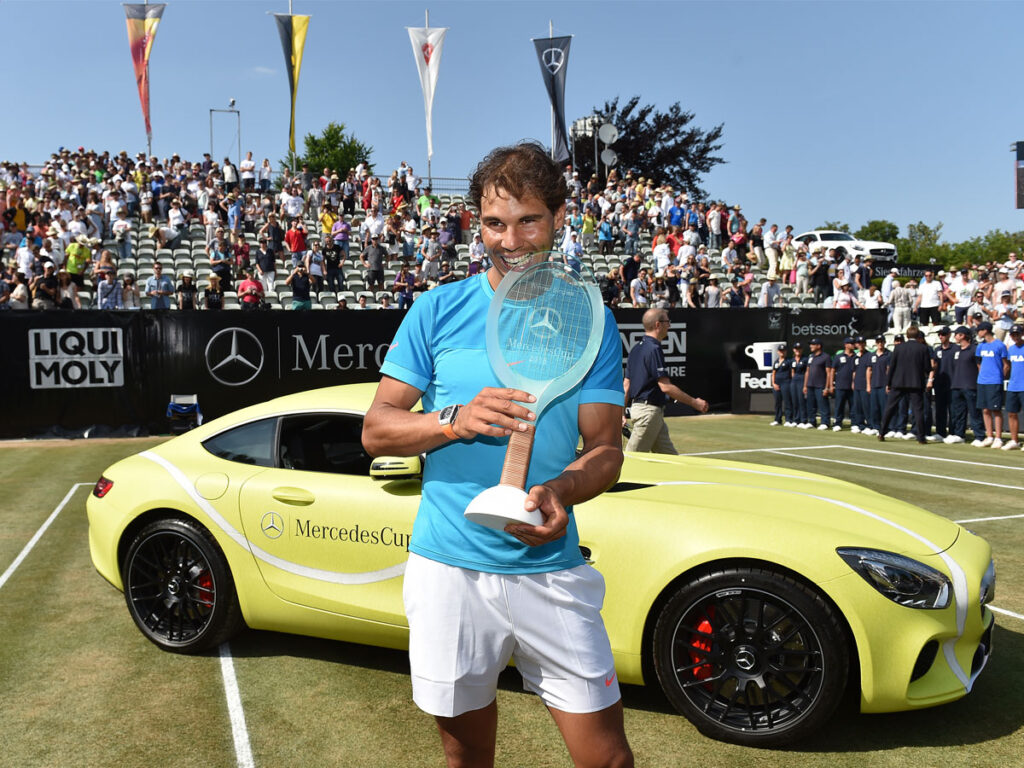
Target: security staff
(782, 374)
(648, 388)
(817, 383)
(843, 366)
(943, 381)
(861, 401)
(796, 387)
(963, 393)
(878, 378)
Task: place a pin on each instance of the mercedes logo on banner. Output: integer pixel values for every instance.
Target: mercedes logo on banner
(553, 59)
(234, 356)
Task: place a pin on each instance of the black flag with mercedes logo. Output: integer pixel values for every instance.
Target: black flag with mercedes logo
(553, 55)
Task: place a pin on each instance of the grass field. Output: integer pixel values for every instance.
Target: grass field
(80, 686)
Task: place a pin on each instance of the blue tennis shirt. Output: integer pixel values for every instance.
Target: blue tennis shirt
(439, 349)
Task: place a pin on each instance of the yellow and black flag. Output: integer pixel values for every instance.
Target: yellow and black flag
(292, 29)
(142, 23)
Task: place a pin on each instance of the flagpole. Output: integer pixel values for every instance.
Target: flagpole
(551, 34)
(430, 177)
(149, 135)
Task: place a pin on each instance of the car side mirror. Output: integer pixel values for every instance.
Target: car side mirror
(395, 467)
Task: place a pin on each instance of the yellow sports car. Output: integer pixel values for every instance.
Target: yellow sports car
(754, 596)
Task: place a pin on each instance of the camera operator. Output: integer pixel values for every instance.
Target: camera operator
(300, 284)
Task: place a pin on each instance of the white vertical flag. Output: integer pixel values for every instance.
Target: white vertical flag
(426, 48)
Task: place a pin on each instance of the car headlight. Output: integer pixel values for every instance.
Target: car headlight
(901, 579)
(988, 584)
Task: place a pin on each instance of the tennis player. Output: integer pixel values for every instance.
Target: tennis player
(476, 597)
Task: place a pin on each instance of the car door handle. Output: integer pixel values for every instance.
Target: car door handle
(294, 496)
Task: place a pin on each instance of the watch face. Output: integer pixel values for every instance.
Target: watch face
(447, 415)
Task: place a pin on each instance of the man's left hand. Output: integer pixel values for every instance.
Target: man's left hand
(556, 519)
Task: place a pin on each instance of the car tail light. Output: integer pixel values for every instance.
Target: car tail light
(102, 486)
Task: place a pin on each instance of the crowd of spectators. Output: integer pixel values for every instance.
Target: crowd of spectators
(121, 232)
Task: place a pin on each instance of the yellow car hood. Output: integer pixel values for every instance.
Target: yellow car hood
(734, 493)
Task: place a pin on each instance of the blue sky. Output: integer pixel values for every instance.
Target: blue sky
(832, 110)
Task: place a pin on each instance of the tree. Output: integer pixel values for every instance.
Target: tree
(835, 226)
(922, 246)
(879, 230)
(659, 145)
(333, 149)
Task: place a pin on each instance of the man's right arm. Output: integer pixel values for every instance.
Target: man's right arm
(392, 429)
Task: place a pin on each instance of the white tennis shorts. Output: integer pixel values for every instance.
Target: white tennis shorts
(465, 625)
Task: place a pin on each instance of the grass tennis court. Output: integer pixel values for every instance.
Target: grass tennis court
(80, 686)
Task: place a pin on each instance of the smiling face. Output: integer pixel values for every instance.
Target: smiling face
(515, 229)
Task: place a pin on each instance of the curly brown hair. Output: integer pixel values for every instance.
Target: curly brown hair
(521, 170)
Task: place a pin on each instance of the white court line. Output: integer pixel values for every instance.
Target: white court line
(931, 475)
(763, 450)
(1006, 612)
(243, 751)
(933, 458)
(39, 534)
(987, 519)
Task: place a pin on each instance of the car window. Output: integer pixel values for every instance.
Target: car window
(251, 443)
(324, 442)
(807, 239)
(836, 236)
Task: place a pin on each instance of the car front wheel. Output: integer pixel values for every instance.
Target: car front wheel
(178, 587)
(751, 656)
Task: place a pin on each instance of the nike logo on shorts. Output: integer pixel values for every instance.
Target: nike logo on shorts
(609, 680)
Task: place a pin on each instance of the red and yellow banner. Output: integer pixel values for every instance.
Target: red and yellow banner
(142, 23)
(292, 29)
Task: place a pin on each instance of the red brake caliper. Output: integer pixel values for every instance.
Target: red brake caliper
(703, 672)
(205, 581)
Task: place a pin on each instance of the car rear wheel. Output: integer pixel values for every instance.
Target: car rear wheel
(178, 587)
(751, 656)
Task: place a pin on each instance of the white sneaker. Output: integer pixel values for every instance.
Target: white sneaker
(979, 443)
(932, 439)
(789, 424)
(822, 427)
(897, 435)
(837, 428)
(1009, 445)
(805, 425)
(997, 443)
(909, 436)
(987, 442)
(953, 440)
(774, 424)
(855, 430)
(891, 435)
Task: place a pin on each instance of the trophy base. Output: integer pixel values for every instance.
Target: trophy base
(501, 505)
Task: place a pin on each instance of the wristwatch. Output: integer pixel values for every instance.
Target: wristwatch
(446, 418)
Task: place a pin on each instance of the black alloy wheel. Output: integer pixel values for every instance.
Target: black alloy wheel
(178, 587)
(751, 656)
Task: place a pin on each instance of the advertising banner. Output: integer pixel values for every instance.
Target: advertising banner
(100, 373)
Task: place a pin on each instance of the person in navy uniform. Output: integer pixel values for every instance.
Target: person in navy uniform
(843, 366)
(796, 387)
(941, 391)
(782, 374)
(963, 396)
(878, 378)
(909, 372)
(817, 383)
(861, 401)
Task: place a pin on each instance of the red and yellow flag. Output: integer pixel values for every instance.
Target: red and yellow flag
(142, 24)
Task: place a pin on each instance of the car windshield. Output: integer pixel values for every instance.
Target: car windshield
(836, 236)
